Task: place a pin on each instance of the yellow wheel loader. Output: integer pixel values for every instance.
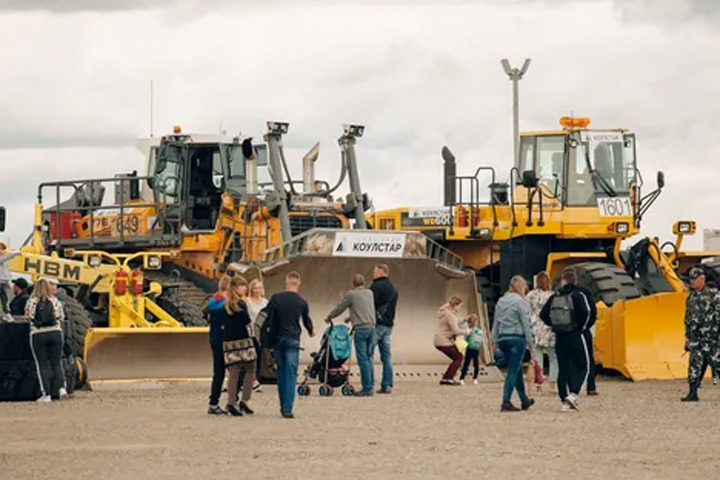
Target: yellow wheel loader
(572, 197)
(137, 335)
(229, 205)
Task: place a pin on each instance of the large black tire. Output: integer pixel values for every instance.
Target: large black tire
(712, 273)
(184, 312)
(606, 282)
(77, 323)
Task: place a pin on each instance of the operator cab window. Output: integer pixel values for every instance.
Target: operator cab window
(549, 165)
(602, 164)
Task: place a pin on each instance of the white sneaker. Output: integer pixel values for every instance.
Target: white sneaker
(572, 400)
(715, 380)
(257, 387)
(462, 382)
(63, 393)
(475, 382)
(44, 399)
(565, 407)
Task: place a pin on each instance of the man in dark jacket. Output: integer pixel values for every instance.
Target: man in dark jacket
(569, 312)
(385, 297)
(17, 304)
(288, 308)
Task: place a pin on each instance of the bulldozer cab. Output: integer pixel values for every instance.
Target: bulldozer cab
(194, 173)
(582, 168)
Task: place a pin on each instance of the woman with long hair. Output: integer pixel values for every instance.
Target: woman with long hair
(46, 316)
(238, 347)
(544, 336)
(447, 329)
(214, 311)
(256, 301)
(511, 333)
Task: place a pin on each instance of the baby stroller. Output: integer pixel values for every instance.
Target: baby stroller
(329, 363)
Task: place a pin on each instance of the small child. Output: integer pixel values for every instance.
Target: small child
(474, 340)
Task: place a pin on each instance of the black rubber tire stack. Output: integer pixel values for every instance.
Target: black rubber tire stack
(18, 373)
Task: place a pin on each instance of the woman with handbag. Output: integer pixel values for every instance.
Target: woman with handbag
(238, 347)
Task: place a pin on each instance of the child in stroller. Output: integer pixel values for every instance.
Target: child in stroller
(329, 364)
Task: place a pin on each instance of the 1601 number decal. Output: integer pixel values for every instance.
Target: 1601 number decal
(615, 206)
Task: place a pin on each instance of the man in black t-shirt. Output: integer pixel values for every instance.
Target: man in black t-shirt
(288, 308)
(386, 298)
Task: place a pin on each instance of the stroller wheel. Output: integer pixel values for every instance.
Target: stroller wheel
(303, 390)
(326, 390)
(346, 390)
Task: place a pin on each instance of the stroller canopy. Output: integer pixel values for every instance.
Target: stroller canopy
(339, 339)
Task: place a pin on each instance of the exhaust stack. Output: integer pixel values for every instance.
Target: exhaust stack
(309, 168)
(449, 173)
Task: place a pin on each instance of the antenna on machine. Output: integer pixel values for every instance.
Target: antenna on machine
(151, 108)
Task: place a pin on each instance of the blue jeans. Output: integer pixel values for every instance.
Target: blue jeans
(363, 351)
(382, 340)
(287, 353)
(513, 348)
(552, 356)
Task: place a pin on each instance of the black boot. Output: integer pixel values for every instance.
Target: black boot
(692, 396)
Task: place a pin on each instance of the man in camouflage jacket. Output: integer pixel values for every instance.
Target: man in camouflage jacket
(702, 330)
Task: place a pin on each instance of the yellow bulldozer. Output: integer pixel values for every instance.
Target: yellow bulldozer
(573, 196)
(229, 205)
(112, 287)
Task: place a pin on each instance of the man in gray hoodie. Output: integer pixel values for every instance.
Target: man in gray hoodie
(361, 303)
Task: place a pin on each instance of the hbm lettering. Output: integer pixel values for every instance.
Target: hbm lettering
(52, 269)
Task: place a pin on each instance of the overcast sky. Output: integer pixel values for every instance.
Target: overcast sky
(75, 77)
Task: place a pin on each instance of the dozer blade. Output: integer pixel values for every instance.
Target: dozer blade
(423, 284)
(147, 353)
(644, 338)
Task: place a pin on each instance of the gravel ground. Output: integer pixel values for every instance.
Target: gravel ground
(161, 431)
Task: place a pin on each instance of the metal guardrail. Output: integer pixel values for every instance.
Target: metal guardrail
(170, 230)
(295, 247)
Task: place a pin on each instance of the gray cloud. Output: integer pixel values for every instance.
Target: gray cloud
(418, 76)
(33, 139)
(669, 12)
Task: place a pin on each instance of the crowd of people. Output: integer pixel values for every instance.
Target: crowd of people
(237, 313)
(527, 325)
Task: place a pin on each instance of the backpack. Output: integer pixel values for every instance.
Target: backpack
(268, 327)
(44, 314)
(562, 312)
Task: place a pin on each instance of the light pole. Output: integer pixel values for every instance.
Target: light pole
(515, 76)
